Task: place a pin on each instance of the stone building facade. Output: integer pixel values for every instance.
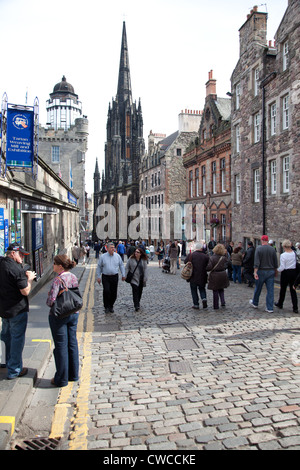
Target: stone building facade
(163, 179)
(40, 213)
(124, 149)
(208, 170)
(63, 142)
(265, 129)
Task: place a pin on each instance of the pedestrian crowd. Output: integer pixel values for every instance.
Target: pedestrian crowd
(213, 267)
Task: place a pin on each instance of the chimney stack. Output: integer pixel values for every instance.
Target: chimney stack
(211, 88)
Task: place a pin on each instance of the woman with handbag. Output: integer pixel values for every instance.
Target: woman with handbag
(218, 279)
(63, 329)
(288, 270)
(136, 275)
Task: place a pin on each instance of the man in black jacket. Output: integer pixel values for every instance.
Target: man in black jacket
(199, 277)
(248, 264)
(14, 306)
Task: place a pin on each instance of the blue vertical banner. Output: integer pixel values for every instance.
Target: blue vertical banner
(20, 138)
(2, 251)
(6, 234)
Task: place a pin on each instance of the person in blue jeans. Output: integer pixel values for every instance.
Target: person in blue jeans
(265, 270)
(64, 330)
(237, 260)
(14, 307)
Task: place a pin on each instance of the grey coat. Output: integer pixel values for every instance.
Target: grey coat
(141, 272)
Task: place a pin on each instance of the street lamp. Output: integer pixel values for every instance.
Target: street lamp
(268, 79)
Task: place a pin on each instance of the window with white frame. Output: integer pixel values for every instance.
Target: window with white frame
(223, 175)
(285, 56)
(197, 181)
(55, 154)
(273, 119)
(237, 138)
(203, 171)
(204, 226)
(237, 95)
(285, 112)
(256, 81)
(256, 183)
(273, 173)
(256, 124)
(191, 183)
(223, 226)
(214, 177)
(237, 189)
(286, 174)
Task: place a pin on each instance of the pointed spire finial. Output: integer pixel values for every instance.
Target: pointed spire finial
(124, 82)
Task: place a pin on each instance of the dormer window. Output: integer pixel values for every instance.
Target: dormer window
(285, 56)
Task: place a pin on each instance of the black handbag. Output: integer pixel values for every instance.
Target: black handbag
(130, 274)
(68, 301)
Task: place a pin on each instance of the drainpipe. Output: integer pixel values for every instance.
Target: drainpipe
(268, 79)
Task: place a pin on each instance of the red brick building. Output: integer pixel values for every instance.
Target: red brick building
(208, 169)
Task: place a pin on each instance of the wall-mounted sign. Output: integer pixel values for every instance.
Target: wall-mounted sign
(37, 207)
(37, 234)
(19, 138)
(72, 199)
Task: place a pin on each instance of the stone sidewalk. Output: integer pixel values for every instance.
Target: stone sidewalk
(173, 378)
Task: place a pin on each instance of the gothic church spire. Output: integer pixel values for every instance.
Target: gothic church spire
(124, 83)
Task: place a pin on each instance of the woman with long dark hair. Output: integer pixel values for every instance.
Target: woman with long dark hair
(137, 264)
(64, 330)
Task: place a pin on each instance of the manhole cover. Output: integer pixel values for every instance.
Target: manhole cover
(38, 444)
(106, 327)
(173, 328)
(238, 348)
(179, 344)
(183, 367)
(103, 339)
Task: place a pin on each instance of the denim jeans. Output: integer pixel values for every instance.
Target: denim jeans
(13, 336)
(66, 354)
(237, 273)
(265, 277)
(195, 296)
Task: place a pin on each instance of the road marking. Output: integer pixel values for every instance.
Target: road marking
(9, 420)
(42, 341)
(78, 439)
(84, 334)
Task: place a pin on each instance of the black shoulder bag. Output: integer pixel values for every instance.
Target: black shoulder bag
(68, 301)
(130, 274)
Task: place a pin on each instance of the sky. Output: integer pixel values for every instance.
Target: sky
(172, 44)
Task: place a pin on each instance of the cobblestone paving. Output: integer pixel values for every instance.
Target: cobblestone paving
(173, 378)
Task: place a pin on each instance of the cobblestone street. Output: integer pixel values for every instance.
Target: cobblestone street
(173, 378)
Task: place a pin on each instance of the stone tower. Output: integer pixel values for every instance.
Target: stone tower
(124, 145)
(63, 142)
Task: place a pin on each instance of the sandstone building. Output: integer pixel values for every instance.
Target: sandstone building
(163, 178)
(265, 129)
(208, 170)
